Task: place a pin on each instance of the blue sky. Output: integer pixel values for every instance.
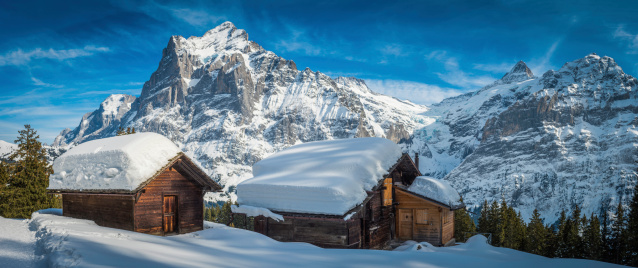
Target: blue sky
(61, 59)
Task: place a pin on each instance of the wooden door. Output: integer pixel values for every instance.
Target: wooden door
(405, 224)
(170, 214)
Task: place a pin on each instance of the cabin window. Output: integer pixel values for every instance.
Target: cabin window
(421, 216)
(387, 192)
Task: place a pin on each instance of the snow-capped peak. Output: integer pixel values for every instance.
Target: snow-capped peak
(113, 104)
(520, 72)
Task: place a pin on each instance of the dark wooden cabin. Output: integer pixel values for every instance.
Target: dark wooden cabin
(169, 202)
(382, 217)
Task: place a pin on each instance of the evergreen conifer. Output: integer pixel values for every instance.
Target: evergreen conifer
(463, 224)
(25, 190)
(537, 235)
(592, 239)
(619, 236)
(632, 230)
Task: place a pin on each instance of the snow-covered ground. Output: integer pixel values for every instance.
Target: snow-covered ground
(17, 244)
(58, 241)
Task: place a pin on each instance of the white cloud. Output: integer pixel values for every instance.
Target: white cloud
(39, 82)
(453, 74)
(541, 65)
(630, 39)
(416, 92)
(20, 57)
(393, 50)
(298, 42)
(196, 17)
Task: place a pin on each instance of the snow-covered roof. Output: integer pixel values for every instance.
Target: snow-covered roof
(323, 177)
(437, 190)
(117, 163)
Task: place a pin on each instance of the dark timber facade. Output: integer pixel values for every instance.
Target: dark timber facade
(169, 202)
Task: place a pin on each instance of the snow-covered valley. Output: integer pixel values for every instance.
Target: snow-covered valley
(58, 241)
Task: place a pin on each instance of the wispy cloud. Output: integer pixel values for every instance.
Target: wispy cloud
(630, 39)
(416, 92)
(196, 17)
(39, 82)
(392, 50)
(20, 57)
(454, 75)
(298, 42)
(542, 64)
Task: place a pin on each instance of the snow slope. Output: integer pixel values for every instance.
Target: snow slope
(6, 149)
(321, 177)
(68, 242)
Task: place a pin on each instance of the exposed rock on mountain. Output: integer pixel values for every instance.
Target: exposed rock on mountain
(571, 141)
(229, 103)
(566, 138)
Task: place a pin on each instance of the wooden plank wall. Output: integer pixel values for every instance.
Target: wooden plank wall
(448, 227)
(149, 208)
(379, 222)
(429, 232)
(322, 232)
(109, 210)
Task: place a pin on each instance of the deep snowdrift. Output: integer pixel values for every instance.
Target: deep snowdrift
(323, 177)
(121, 162)
(68, 242)
(438, 190)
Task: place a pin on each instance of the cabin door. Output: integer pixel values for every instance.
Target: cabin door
(170, 213)
(405, 224)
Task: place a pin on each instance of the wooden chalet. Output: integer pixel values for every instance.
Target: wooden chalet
(389, 212)
(170, 201)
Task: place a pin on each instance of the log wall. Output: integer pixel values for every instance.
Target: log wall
(190, 204)
(322, 232)
(108, 210)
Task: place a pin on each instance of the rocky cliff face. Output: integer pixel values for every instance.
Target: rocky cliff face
(229, 103)
(570, 141)
(547, 142)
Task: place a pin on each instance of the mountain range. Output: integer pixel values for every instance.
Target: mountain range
(552, 142)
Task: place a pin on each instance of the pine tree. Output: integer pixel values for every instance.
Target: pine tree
(619, 236)
(572, 239)
(483, 221)
(537, 235)
(28, 180)
(605, 235)
(120, 131)
(463, 224)
(4, 176)
(225, 212)
(632, 230)
(592, 239)
(561, 241)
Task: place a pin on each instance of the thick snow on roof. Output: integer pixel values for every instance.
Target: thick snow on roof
(323, 177)
(117, 163)
(438, 190)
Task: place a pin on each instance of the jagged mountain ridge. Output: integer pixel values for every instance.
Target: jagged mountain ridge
(569, 139)
(229, 103)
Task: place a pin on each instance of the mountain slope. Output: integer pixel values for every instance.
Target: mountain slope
(229, 103)
(547, 142)
(572, 140)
